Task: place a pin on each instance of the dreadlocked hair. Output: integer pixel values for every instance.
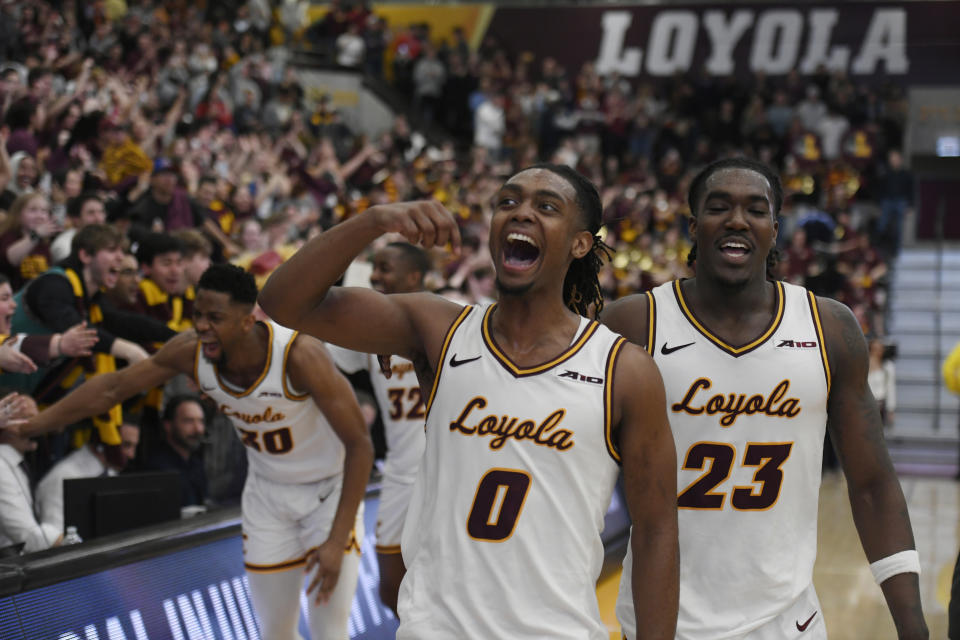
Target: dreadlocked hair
(581, 286)
(583, 280)
(699, 182)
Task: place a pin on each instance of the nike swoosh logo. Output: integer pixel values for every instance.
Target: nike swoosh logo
(456, 363)
(803, 627)
(665, 350)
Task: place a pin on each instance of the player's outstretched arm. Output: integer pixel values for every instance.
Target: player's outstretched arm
(312, 370)
(300, 293)
(879, 509)
(99, 393)
(650, 482)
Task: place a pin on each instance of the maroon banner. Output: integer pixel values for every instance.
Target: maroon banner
(909, 42)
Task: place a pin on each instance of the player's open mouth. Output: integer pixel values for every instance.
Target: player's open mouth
(735, 250)
(210, 349)
(520, 251)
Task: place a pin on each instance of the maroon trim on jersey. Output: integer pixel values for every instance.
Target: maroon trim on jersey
(735, 351)
(651, 322)
(608, 391)
(815, 314)
(522, 372)
(263, 374)
(443, 355)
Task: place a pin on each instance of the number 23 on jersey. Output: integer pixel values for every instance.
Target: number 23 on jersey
(717, 460)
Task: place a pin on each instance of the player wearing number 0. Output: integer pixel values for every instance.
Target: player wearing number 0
(397, 268)
(309, 452)
(532, 406)
(755, 370)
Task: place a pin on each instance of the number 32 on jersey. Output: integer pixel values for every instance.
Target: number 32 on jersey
(414, 410)
(717, 460)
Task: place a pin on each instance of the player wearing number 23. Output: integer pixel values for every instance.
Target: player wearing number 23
(309, 452)
(755, 371)
(531, 408)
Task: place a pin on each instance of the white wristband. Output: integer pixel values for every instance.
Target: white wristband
(903, 562)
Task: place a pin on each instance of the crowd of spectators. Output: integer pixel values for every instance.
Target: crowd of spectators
(141, 142)
(837, 144)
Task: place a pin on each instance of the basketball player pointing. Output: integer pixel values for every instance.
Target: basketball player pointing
(755, 371)
(531, 407)
(309, 452)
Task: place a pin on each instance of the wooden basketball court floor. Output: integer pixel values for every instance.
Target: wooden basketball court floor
(853, 605)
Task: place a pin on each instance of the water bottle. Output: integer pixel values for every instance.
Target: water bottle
(72, 537)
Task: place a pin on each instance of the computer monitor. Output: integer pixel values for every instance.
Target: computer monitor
(111, 504)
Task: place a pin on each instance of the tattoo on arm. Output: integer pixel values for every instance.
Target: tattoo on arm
(851, 405)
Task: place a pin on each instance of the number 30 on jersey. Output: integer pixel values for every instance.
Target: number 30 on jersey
(277, 441)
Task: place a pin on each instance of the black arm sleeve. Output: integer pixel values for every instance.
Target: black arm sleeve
(50, 298)
(37, 348)
(199, 214)
(134, 327)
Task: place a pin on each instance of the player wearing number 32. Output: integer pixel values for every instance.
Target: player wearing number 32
(308, 448)
(755, 370)
(531, 407)
(399, 267)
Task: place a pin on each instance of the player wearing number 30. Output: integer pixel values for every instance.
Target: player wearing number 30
(531, 407)
(755, 370)
(309, 452)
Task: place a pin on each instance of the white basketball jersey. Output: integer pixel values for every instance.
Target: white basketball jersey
(502, 537)
(288, 439)
(402, 409)
(749, 424)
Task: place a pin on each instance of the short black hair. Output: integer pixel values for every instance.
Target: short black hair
(19, 113)
(414, 256)
(699, 181)
(156, 244)
(231, 280)
(170, 408)
(60, 176)
(75, 205)
(36, 73)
